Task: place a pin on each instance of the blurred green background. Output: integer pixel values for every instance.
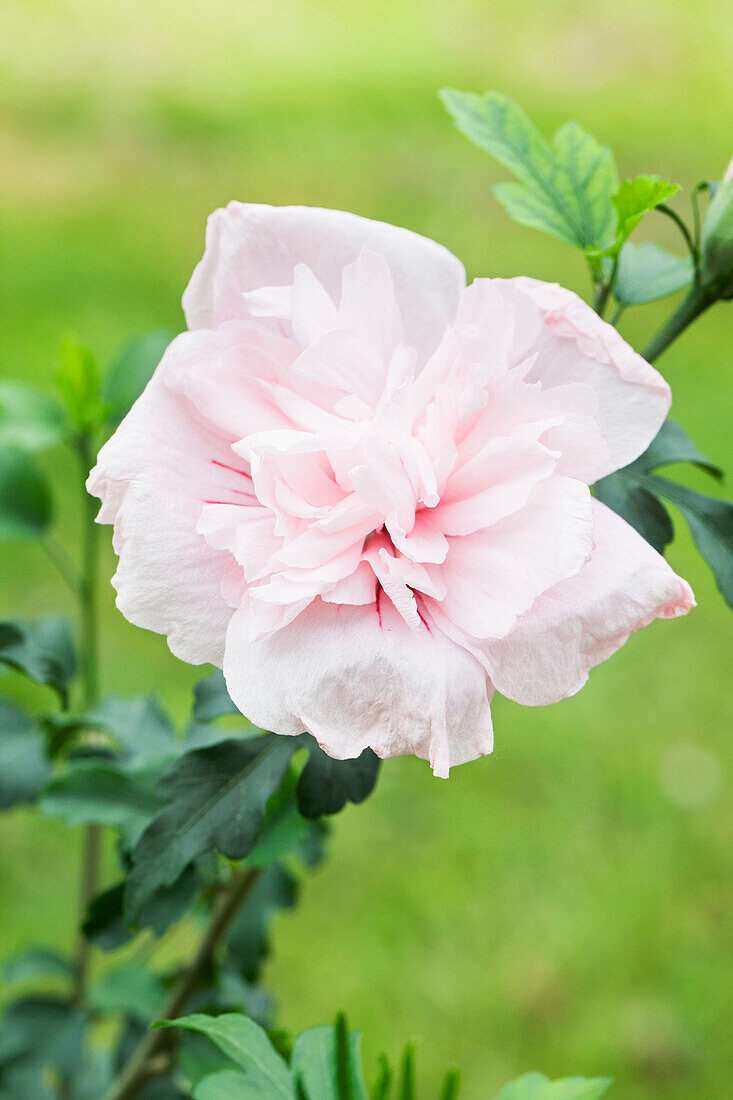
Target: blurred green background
(560, 905)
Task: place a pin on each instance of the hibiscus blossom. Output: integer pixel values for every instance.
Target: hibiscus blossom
(361, 487)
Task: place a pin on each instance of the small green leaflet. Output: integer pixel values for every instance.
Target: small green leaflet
(565, 188)
(646, 273)
(632, 201)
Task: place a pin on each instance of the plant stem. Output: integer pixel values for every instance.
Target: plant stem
(91, 847)
(697, 301)
(150, 1057)
(664, 209)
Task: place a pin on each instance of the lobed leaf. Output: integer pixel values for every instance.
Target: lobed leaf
(245, 1042)
(216, 800)
(633, 199)
(326, 785)
(565, 188)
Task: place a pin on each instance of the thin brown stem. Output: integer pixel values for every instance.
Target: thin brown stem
(151, 1056)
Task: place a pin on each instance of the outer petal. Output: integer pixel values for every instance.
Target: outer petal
(357, 677)
(576, 346)
(252, 246)
(583, 620)
(152, 476)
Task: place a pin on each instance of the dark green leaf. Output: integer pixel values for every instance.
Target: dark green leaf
(36, 962)
(216, 801)
(315, 1063)
(407, 1086)
(25, 499)
(42, 650)
(451, 1085)
(646, 272)
(673, 444)
(78, 380)
(45, 1031)
(627, 495)
(711, 524)
(247, 944)
(132, 369)
(104, 793)
(565, 188)
(23, 765)
(139, 724)
(105, 925)
(248, 1046)
(133, 989)
(383, 1084)
(28, 419)
(326, 785)
(211, 698)
(535, 1086)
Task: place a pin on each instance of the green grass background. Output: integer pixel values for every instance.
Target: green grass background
(560, 905)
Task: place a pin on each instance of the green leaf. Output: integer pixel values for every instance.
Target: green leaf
(34, 963)
(107, 927)
(565, 188)
(230, 1085)
(248, 1046)
(23, 764)
(133, 989)
(407, 1089)
(102, 792)
(216, 801)
(25, 499)
(132, 369)
(535, 1086)
(451, 1085)
(633, 199)
(646, 273)
(78, 380)
(45, 1031)
(315, 1063)
(247, 944)
(711, 523)
(629, 498)
(104, 924)
(326, 785)
(383, 1084)
(211, 698)
(28, 419)
(140, 726)
(42, 650)
(672, 444)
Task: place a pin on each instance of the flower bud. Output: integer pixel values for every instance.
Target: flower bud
(716, 245)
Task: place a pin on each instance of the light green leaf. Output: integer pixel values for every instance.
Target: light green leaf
(565, 188)
(132, 369)
(246, 1044)
(633, 200)
(535, 1086)
(78, 380)
(646, 273)
(230, 1085)
(25, 498)
(315, 1064)
(28, 419)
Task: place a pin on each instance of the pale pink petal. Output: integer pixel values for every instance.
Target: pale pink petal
(251, 246)
(355, 677)
(633, 398)
(153, 476)
(584, 620)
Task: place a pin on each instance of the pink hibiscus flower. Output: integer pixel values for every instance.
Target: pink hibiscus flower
(361, 487)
